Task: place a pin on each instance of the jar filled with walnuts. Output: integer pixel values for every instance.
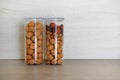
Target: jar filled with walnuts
(54, 40)
(33, 40)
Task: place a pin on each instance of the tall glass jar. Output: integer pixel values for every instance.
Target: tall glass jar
(54, 40)
(33, 40)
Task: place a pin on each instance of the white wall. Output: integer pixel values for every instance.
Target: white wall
(92, 27)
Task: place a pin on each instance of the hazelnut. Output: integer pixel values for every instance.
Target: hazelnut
(39, 43)
(49, 56)
(33, 55)
(31, 29)
(48, 43)
(59, 50)
(31, 61)
(29, 34)
(50, 47)
(28, 57)
(48, 52)
(39, 49)
(27, 46)
(53, 52)
(39, 61)
(58, 56)
(40, 56)
(47, 61)
(53, 61)
(60, 38)
(32, 46)
(28, 41)
(52, 41)
(31, 24)
(33, 38)
(61, 55)
(59, 61)
(39, 25)
(40, 37)
(30, 51)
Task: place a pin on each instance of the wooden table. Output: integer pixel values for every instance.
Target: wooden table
(70, 70)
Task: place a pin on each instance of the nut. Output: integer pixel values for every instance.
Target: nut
(40, 56)
(39, 25)
(53, 52)
(49, 57)
(52, 41)
(48, 52)
(32, 46)
(59, 50)
(47, 61)
(31, 61)
(27, 46)
(29, 34)
(39, 43)
(31, 29)
(50, 47)
(30, 51)
(28, 57)
(39, 49)
(28, 41)
(33, 38)
(61, 55)
(40, 37)
(31, 24)
(53, 61)
(39, 61)
(60, 61)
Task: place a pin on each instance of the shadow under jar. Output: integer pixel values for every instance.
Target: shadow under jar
(33, 40)
(54, 40)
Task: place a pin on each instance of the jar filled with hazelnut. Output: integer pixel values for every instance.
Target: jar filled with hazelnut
(33, 40)
(54, 40)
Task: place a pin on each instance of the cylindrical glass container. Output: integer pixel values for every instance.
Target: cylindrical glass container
(54, 40)
(33, 40)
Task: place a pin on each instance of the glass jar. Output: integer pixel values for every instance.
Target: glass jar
(54, 40)
(33, 40)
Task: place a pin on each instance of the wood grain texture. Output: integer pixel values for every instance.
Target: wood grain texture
(70, 70)
(92, 27)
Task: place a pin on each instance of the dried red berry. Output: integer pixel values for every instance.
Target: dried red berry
(52, 24)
